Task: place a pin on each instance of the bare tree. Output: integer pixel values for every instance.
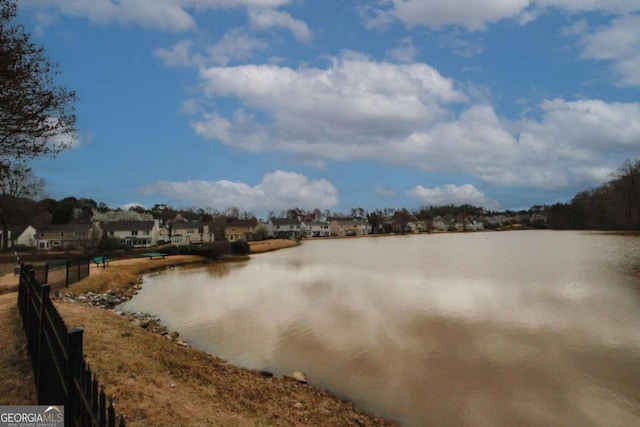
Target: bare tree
(36, 116)
(18, 184)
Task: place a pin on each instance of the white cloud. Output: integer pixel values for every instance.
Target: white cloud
(619, 43)
(160, 14)
(269, 18)
(354, 97)
(179, 55)
(476, 15)
(473, 15)
(278, 190)
(235, 45)
(168, 15)
(358, 109)
(453, 194)
(405, 52)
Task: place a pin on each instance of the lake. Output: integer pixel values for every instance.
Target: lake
(527, 328)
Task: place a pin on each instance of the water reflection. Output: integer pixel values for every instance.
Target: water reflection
(491, 329)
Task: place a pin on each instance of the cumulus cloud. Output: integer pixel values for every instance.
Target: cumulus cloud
(168, 15)
(235, 45)
(313, 108)
(269, 18)
(476, 15)
(619, 43)
(453, 194)
(409, 115)
(277, 190)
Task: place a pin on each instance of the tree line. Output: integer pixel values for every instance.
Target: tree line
(614, 205)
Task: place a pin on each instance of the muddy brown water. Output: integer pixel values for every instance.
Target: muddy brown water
(527, 328)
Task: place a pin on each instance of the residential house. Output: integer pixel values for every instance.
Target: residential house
(137, 234)
(19, 236)
(344, 227)
(362, 227)
(240, 229)
(69, 236)
(285, 228)
(316, 229)
(191, 233)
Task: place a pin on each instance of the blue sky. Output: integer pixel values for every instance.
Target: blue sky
(271, 104)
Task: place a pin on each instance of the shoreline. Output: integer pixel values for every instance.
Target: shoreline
(155, 369)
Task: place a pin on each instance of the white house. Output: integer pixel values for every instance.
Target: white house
(284, 227)
(19, 236)
(138, 234)
(316, 229)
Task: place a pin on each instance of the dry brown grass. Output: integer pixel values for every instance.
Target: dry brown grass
(16, 378)
(271, 245)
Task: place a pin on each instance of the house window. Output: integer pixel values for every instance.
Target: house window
(190, 230)
(134, 232)
(62, 234)
(42, 234)
(145, 232)
(112, 233)
(79, 234)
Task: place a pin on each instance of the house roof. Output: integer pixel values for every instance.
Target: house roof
(284, 221)
(16, 230)
(242, 223)
(183, 225)
(344, 221)
(67, 227)
(127, 225)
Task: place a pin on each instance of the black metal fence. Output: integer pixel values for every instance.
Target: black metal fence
(61, 374)
(62, 272)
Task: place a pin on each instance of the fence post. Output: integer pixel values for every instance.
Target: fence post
(73, 370)
(66, 280)
(41, 353)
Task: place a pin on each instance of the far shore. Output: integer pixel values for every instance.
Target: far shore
(145, 371)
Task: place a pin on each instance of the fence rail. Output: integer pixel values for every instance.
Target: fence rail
(61, 373)
(62, 272)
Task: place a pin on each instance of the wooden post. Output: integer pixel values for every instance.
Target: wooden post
(73, 370)
(41, 352)
(66, 280)
(102, 408)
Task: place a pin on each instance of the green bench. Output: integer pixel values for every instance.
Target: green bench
(152, 255)
(101, 260)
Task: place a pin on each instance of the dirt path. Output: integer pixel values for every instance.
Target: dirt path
(154, 380)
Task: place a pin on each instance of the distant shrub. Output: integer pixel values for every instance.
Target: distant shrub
(213, 250)
(240, 247)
